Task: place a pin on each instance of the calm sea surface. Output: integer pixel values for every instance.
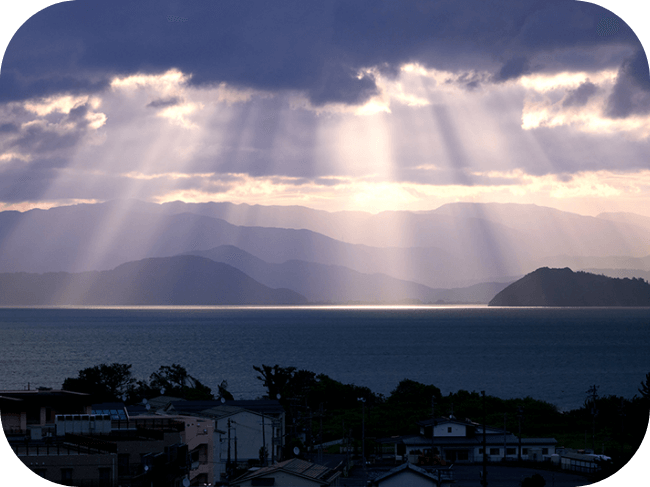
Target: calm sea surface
(547, 353)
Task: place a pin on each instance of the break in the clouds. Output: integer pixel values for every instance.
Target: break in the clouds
(371, 105)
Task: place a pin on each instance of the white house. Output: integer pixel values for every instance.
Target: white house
(457, 441)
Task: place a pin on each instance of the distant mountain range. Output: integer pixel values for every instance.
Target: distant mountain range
(462, 252)
(211, 280)
(181, 280)
(563, 287)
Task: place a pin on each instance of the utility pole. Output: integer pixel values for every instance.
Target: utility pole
(263, 442)
(320, 437)
(593, 392)
(484, 481)
(433, 425)
(228, 465)
(363, 437)
(520, 416)
(505, 443)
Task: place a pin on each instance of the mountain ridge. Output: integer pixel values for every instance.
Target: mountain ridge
(179, 280)
(563, 287)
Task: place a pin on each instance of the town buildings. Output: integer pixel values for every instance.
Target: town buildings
(456, 441)
(247, 432)
(80, 448)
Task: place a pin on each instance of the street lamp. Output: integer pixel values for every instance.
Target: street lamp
(363, 435)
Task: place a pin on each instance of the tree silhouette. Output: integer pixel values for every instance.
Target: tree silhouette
(104, 382)
(645, 387)
(175, 381)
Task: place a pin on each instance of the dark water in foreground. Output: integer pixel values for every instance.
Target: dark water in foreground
(547, 353)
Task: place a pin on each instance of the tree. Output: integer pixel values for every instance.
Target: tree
(105, 382)
(223, 391)
(276, 379)
(645, 388)
(175, 381)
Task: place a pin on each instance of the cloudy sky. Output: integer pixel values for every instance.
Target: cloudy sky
(337, 105)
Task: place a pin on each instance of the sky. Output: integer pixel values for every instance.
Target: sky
(334, 105)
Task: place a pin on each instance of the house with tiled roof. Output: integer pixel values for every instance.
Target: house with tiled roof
(294, 472)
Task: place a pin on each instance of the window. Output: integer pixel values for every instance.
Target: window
(41, 472)
(511, 451)
(494, 451)
(544, 451)
(448, 429)
(480, 451)
(463, 455)
(524, 451)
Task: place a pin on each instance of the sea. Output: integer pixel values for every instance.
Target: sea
(551, 354)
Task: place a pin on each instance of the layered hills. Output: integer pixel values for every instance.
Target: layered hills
(462, 252)
(563, 287)
(180, 280)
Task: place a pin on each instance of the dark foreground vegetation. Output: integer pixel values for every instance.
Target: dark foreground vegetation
(326, 409)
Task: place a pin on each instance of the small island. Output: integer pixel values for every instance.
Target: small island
(563, 287)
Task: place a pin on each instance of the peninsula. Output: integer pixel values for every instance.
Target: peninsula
(563, 287)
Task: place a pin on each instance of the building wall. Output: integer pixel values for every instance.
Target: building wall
(14, 422)
(87, 468)
(442, 430)
(527, 452)
(198, 436)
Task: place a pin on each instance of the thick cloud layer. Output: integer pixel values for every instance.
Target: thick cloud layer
(314, 47)
(332, 104)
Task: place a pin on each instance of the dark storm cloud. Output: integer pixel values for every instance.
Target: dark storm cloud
(631, 93)
(8, 128)
(315, 47)
(344, 87)
(580, 96)
(45, 138)
(38, 139)
(512, 69)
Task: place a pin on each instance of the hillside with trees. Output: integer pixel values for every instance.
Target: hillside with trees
(563, 287)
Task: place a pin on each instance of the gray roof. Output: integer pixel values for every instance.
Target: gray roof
(294, 466)
(223, 411)
(403, 467)
(161, 402)
(262, 406)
